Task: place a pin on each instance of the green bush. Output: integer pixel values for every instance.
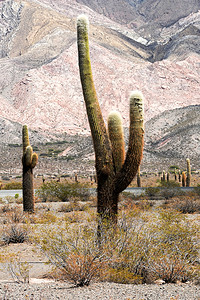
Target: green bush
(169, 189)
(63, 191)
(152, 192)
(12, 186)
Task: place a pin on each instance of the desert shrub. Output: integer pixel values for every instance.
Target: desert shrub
(5, 208)
(19, 200)
(65, 191)
(76, 217)
(15, 215)
(17, 269)
(124, 247)
(133, 205)
(46, 217)
(169, 189)
(74, 205)
(14, 234)
(12, 186)
(173, 252)
(187, 205)
(152, 192)
(73, 251)
(141, 248)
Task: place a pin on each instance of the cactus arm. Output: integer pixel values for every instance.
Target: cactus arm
(101, 141)
(34, 160)
(136, 142)
(25, 138)
(116, 136)
(28, 156)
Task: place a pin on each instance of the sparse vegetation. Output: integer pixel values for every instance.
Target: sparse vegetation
(14, 234)
(138, 250)
(12, 186)
(147, 243)
(63, 191)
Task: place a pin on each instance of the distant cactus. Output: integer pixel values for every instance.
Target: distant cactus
(175, 175)
(114, 173)
(183, 179)
(167, 176)
(163, 178)
(179, 175)
(188, 178)
(76, 177)
(29, 161)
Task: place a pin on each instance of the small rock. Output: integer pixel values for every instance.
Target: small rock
(159, 281)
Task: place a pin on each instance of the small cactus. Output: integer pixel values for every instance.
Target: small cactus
(163, 178)
(168, 176)
(188, 178)
(29, 161)
(183, 179)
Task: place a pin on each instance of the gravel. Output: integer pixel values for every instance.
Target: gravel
(102, 291)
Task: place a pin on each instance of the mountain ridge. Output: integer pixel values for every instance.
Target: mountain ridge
(39, 81)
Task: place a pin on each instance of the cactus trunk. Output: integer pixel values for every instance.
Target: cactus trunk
(114, 171)
(183, 179)
(29, 161)
(28, 192)
(188, 178)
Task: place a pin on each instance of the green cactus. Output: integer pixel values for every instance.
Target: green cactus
(29, 161)
(188, 178)
(114, 172)
(116, 136)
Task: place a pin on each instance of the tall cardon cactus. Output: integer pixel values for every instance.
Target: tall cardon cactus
(29, 161)
(114, 169)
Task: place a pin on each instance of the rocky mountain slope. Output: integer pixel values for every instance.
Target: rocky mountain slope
(170, 138)
(134, 45)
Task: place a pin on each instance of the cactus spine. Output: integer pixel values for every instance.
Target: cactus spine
(29, 161)
(114, 173)
(188, 178)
